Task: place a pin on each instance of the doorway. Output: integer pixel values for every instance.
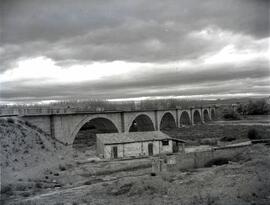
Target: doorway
(114, 152)
(150, 149)
(175, 147)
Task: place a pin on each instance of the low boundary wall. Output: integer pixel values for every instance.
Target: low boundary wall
(200, 159)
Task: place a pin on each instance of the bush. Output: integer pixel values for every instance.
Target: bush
(123, 189)
(25, 194)
(155, 185)
(208, 141)
(7, 190)
(253, 134)
(59, 203)
(258, 107)
(217, 162)
(168, 177)
(28, 124)
(231, 116)
(227, 139)
(62, 167)
(21, 187)
(38, 185)
(10, 120)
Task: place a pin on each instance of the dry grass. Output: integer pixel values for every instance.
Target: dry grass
(217, 131)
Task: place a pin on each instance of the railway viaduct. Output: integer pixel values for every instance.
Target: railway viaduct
(64, 124)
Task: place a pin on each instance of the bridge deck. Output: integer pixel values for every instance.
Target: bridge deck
(75, 111)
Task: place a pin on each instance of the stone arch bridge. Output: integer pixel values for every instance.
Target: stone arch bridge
(65, 124)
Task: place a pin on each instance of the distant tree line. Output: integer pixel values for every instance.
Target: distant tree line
(103, 105)
(252, 107)
(255, 107)
(244, 107)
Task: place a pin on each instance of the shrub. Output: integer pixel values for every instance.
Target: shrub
(7, 189)
(125, 188)
(20, 187)
(208, 141)
(231, 116)
(155, 185)
(25, 194)
(168, 177)
(28, 124)
(253, 134)
(217, 162)
(227, 139)
(93, 181)
(258, 107)
(10, 120)
(62, 167)
(38, 185)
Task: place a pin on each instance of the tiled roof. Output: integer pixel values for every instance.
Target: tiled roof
(118, 138)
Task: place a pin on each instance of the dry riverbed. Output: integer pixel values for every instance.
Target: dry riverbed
(246, 181)
(38, 170)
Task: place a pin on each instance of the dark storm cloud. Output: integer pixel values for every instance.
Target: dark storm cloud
(81, 32)
(28, 20)
(121, 30)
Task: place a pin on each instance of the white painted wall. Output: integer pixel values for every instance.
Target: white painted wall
(155, 147)
(166, 149)
(132, 149)
(137, 149)
(108, 151)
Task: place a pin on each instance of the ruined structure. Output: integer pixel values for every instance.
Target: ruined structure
(133, 144)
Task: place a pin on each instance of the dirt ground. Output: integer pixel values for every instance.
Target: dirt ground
(38, 170)
(244, 181)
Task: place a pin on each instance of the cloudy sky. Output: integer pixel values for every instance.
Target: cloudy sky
(66, 49)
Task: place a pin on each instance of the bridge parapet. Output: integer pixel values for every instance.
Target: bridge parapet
(5, 112)
(33, 111)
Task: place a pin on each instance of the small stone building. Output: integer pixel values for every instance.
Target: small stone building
(134, 144)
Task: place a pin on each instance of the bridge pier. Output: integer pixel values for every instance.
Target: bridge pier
(52, 126)
(157, 128)
(122, 122)
(209, 113)
(177, 118)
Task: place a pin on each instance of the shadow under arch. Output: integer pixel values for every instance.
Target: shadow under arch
(213, 114)
(197, 117)
(185, 119)
(206, 117)
(86, 136)
(142, 123)
(167, 121)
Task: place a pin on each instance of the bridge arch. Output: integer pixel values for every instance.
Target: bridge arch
(90, 126)
(206, 116)
(167, 121)
(141, 122)
(197, 118)
(185, 118)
